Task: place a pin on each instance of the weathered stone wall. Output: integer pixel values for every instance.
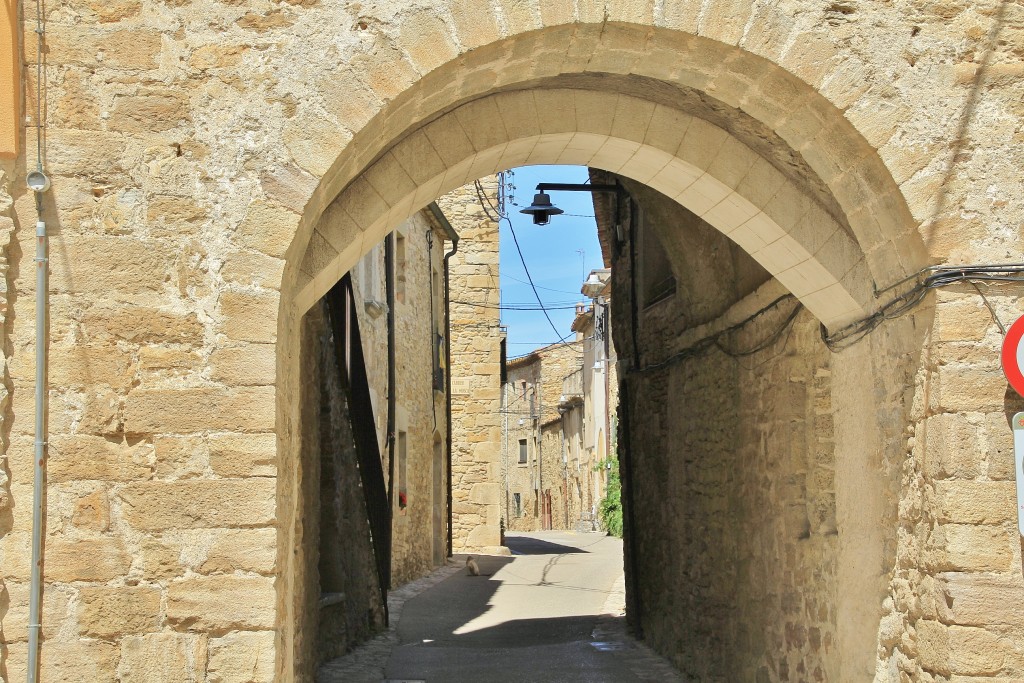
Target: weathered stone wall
(542, 474)
(734, 528)
(346, 600)
(788, 452)
(581, 473)
(564, 513)
(421, 409)
(521, 425)
(956, 589)
(193, 144)
(476, 370)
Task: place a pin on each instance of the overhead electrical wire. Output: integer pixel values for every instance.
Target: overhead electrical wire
(523, 307)
(550, 289)
(515, 240)
(929, 279)
(932, 277)
(500, 215)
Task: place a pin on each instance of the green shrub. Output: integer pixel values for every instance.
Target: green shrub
(611, 505)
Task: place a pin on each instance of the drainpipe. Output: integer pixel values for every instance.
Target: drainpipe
(540, 448)
(39, 183)
(389, 294)
(565, 466)
(453, 237)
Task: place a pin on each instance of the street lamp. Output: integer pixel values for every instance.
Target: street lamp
(542, 209)
(593, 286)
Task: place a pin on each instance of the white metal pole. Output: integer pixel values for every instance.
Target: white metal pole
(39, 475)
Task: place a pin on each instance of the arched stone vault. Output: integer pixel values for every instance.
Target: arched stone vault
(704, 168)
(764, 109)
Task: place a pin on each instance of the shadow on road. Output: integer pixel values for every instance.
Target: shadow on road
(519, 633)
(524, 545)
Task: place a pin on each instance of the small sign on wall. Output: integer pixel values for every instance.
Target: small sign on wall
(461, 386)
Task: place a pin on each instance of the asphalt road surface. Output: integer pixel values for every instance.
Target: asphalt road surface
(550, 612)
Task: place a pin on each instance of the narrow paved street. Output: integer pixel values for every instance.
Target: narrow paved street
(550, 612)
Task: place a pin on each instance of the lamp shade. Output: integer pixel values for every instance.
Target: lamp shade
(593, 286)
(541, 209)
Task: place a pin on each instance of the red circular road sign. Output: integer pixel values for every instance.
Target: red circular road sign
(1013, 355)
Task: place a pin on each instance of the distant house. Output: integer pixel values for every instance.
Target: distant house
(558, 426)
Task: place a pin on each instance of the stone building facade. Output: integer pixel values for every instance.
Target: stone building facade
(218, 167)
(419, 529)
(533, 468)
(476, 339)
(591, 422)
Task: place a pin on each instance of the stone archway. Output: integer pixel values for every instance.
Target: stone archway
(795, 185)
(198, 152)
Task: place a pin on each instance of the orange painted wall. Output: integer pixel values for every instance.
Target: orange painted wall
(10, 84)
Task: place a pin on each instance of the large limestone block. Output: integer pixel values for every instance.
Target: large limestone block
(161, 505)
(96, 559)
(54, 614)
(977, 651)
(975, 502)
(242, 657)
(80, 152)
(251, 550)
(253, 364)
(186, 411)
(15, 555)
(978, 548)
(250, 316)
(162, 658)
(87, 45)
(179, 457)
(80, 661)
(122, 268)
(140, 324)
(83, 457)
(972, 389)
(172, 216)
(80, 366)
(251, 268)
(92, 511)
(483, 536)
(984, 599)
(160, 558)
(109, 612)
(221, 603)
(151, 110)
(950, 447)
(244, 455)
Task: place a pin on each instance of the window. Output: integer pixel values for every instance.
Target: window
(522, 451)
(371, 281)
(657, 279)
(519, 504)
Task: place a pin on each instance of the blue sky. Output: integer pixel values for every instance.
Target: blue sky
(552, 254)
